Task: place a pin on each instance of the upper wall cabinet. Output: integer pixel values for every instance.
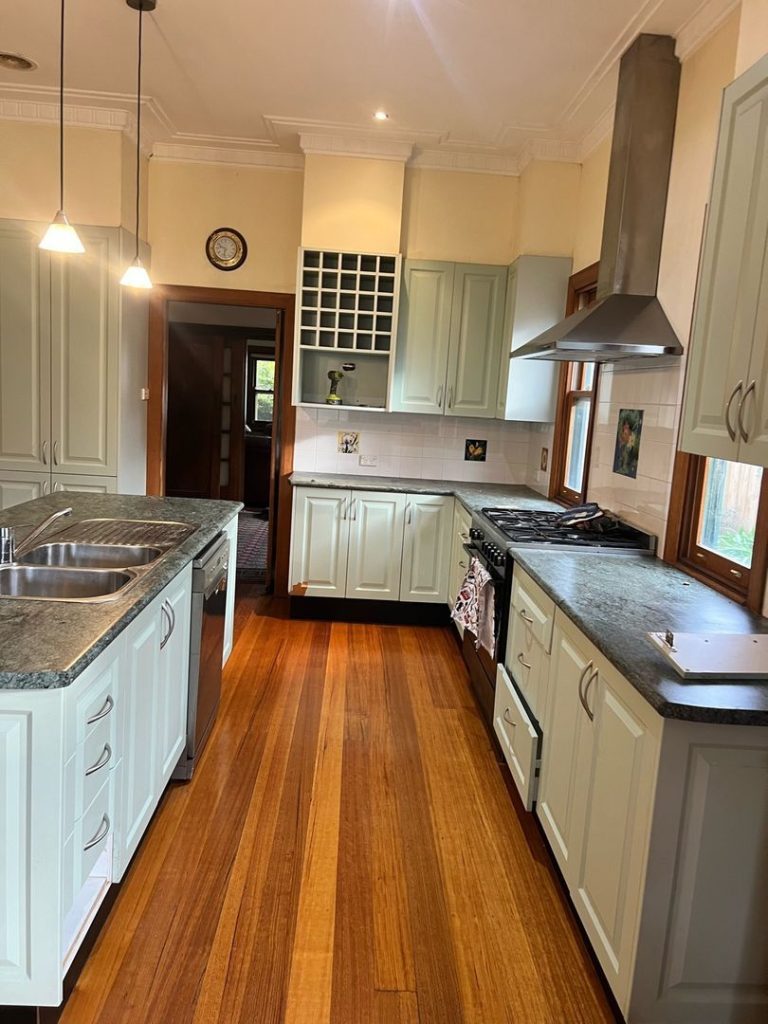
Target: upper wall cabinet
(346, 312)
(537, 289)
(726, 402)
(449, 339)
(73, 355)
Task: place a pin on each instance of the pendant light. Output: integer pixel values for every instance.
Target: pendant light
(61, 236)
(136, 275)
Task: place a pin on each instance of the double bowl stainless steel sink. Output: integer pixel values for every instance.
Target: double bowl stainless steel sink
(76, 568)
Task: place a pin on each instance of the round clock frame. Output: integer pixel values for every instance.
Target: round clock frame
(220, 262)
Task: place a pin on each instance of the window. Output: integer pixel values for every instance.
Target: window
(260, 400)
(575, 408)
(718, 525)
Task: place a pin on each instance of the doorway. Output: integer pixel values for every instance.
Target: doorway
(225, 425)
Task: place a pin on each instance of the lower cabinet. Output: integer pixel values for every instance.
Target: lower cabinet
(82, 768)
(18, 487)
(371, 545)
(459, 560)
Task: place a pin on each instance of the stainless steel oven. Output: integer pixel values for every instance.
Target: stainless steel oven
(209, 603)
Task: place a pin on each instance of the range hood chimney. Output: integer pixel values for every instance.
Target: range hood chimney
(626, 320)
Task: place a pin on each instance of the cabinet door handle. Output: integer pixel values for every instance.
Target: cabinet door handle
(55, 453)
(525, 616)
(166, 636)
(101, 832)
(463, 565)
(508, 720)
(584, 696)
(104, 758)
(46, 486)
(740, 413)
(408, 514)
(103, 712)
(522, 660)
(450, 397)
(44, 452)
(344, 508)
(728, 404)
(439, 400)
(587, 668)
(352, 510)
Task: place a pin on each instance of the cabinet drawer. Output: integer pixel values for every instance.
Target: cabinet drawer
(94, 698)
(92, 834)
(531, 604)
(98, 757)
(518, 737)
(527, 663)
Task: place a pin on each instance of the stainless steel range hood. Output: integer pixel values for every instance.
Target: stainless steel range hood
(626, 320)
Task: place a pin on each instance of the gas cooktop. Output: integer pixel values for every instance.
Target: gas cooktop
(540, 527)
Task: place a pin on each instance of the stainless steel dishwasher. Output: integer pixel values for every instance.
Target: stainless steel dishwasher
(209, 602)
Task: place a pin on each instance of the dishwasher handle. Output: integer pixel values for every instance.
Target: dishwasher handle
(217, 584)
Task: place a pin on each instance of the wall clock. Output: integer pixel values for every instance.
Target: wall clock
(226, 249)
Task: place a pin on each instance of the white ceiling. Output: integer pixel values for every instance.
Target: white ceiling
(476, 77)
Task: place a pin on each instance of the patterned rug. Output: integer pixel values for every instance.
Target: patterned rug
(252, 548)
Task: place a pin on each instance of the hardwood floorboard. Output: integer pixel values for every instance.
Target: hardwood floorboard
(348, 852)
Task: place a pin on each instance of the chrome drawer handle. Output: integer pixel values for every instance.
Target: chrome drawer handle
(101, 832)
(522, 660)
(526, 617)
(508, 720)
(105, 710)
(104, 758)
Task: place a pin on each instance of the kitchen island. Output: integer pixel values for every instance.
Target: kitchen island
(93, 721)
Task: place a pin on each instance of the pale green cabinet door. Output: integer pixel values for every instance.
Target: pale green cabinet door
(423, 337)
(24, 350)
(477, 322)
(84, 356)
(732, 301)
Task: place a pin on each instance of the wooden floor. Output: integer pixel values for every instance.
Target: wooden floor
(347, 852)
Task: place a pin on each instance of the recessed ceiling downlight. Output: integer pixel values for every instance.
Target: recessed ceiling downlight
(381, 115)
(15, 62)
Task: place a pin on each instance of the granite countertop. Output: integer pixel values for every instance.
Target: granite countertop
(46, 644)
(472, 496)
(617, 599)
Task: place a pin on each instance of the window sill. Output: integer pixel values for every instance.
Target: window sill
(738, 596)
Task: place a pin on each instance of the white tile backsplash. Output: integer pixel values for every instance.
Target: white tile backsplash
(412, 446)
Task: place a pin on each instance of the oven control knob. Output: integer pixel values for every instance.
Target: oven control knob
(499, 559)
(475, 534)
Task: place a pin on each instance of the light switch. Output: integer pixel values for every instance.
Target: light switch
(369, 460)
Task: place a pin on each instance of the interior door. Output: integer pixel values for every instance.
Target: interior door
(84, 357)
(423, 337)
(25, 369)
(477, 322)
(194, 434)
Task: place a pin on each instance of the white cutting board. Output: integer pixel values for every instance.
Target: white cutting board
(706, 655)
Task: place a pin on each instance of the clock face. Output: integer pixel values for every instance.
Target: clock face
(226, 249)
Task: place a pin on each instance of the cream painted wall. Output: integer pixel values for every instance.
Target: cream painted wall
(590, 211)
(753, 34)
(547, 217)
(128, 189)
(29, 169)
(352, 203)
(467, 218)
(187, 201)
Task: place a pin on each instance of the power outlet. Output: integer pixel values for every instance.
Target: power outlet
(369, 460)
(544, 459)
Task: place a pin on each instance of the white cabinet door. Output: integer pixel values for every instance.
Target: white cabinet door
(84, 358)
(86, 484)
(173, 676)
(320, 542)
(477, 321)
(427, 548)
(619, 792)
(141, 704)
(567, 748)
(375, 545)
(732, 301)
(16, 488)
(459, 560)
(24, 350)
(422, 345)
(229, 613)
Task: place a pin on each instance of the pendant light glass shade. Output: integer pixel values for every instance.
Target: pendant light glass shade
(61, 236)
(136, 276)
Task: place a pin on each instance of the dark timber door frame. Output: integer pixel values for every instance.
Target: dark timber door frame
(284, 424)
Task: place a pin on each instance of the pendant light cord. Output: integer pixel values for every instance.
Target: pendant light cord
(138, 132)
(61, 110)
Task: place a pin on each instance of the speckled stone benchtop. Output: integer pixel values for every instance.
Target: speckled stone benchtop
(47, 644)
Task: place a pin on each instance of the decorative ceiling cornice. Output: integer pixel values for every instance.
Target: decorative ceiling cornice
(467, 162)
(186, 153)
(368, 145)
(704, 23)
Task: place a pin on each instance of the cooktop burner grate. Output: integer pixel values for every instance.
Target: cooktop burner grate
(539, 526)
